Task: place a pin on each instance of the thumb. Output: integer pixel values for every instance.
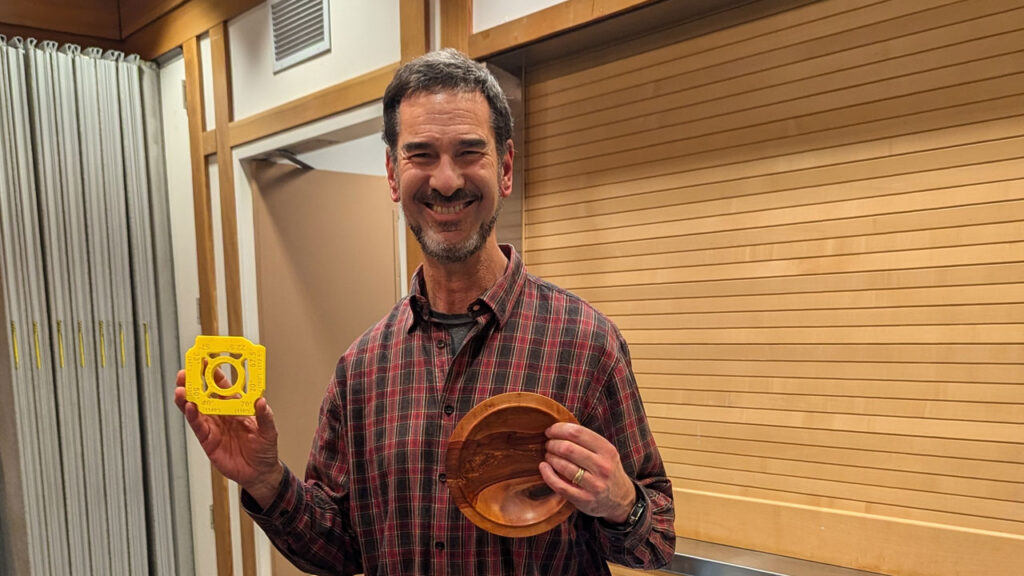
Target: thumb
(265, 420)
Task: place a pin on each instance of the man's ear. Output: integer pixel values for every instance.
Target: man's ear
(392, 176)
(506, 169)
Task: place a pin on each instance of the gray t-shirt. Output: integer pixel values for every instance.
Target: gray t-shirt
(458, 326)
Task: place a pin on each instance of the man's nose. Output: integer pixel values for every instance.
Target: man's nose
(447, 176)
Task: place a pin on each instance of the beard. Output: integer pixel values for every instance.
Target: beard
(452, 253)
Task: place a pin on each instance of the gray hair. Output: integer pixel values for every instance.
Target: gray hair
(445, 70)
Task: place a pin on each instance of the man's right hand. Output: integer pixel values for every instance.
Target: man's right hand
(242, 448)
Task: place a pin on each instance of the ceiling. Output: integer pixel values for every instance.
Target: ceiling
(105, 19)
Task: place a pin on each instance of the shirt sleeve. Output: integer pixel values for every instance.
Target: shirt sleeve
(309, 522)
(620, 416)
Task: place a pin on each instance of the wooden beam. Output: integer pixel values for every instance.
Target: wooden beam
(135, 15)
(221, 66)
(12, 31)
(559, 18)
(413, 255)
(207, 279)
(456, 24)
(210, 142)
(321, 104)
(219, 53)
(415, 34)
(188, 20)
(82, 17)
(200, 187)
(415, 25)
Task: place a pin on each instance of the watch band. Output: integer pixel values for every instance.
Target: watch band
(638, 510)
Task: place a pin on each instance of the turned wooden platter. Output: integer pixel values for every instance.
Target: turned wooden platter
(492, 465)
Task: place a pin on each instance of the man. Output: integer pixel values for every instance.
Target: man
(475, 325)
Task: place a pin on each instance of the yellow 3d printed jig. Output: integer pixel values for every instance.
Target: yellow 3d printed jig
(249, 363)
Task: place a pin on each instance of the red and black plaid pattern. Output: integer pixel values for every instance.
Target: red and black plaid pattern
(375, 499)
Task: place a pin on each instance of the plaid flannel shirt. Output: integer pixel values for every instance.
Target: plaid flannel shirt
(374, 499)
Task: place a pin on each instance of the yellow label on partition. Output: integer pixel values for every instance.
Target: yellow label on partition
(81, 345)
(236, 398)
(145, 329)
(60, 341)
(120, 329)
(14, 343)
(35, 336)
(103, 347)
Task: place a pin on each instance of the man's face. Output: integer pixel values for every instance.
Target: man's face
(447, 174)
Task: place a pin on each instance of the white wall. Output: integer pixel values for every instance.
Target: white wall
(491, 13)
(364, 37)
(360, 156)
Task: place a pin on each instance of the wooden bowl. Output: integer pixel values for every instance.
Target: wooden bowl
(492, 465)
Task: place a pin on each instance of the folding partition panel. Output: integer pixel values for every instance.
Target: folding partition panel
(41, 423)
(49, 136)
(150, 383)
(165, 348)
(93, 464)
(24, 525)
(102, 306)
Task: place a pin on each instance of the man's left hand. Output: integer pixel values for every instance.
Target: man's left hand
(602, 489)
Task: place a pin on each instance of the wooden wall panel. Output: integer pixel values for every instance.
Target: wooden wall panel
(809, 229)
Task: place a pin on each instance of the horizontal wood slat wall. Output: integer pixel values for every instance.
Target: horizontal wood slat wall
(810, 229)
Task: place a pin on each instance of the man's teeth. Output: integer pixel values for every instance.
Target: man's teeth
(448, 208)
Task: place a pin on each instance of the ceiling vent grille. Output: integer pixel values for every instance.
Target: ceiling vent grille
(300, 30)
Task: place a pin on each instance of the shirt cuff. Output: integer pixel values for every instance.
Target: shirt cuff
(284, 511)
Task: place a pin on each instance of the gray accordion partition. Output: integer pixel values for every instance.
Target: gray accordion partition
(93, 475)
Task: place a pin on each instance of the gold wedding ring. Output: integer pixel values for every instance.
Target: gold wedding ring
(578, 477)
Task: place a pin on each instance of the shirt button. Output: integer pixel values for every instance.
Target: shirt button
(440, 343)
(449, 409)
(439, 546)
(442, 477)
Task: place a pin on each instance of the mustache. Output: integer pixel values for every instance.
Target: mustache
(460, 196)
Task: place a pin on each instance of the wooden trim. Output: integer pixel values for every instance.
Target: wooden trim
(321, 104)
(207, 278)
(135, 15)
(226, 175)
(937, 549)
(12, 31)
(85, 17)
(200, 187)
(456, 24)
(221, 65)
(210, 142)
(188, 20)
(542, 24)
(413, 255)
(415, 25)
(415, 34)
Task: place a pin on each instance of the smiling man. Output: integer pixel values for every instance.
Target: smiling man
(475, 325)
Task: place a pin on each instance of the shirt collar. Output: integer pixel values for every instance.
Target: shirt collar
(500, 298)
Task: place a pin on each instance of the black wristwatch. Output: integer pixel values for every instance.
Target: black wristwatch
(637, 511)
